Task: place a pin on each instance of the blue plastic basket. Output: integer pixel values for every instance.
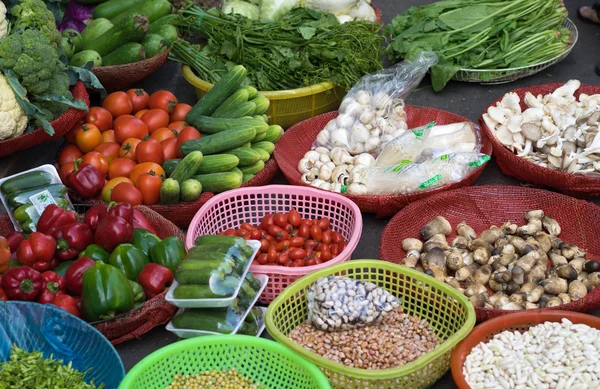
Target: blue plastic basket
(51, 330)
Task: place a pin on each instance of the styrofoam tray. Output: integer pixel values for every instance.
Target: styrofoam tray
(216, 302)
(186, 333)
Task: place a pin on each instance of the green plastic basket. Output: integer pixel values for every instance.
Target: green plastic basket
(450, 314)
(261, 360)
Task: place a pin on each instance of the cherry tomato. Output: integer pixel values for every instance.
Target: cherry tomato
(324, 223)
(335, 249)
(278, 233)
(326, 237)
(155, 119)
(266, 221)
(95, 159)
(291, 264)
(256, 235)
(326, 255)
(100, 117)
(304, 231)
(297, 241)
(149, 184)
(324, 247)
(241, 233)
(262, 259)
(280, 220)
(149, 151)
(141, 113)
(118, 103)
(128, 148)
(110, 185)
(109, 137)
(310, 262)
(271, 239)
(145, 167)
(228, 232)
(65, 170)
(127, 126)
(272, 255)
(126, 193)
(289, 228)
(162, 134)
(68, 154)
(318, 261)
(164, 100)
(186, 134)
(283, 258)
(307, 222)
(264, 245)
(309, 252)
(178, 126)
(88, 137)
(120, 167)
(109, 150)
(297, 253)
(294, 218)
(336, 237)
(316, 233)
(139, 99)
(70, 136)
(310, 244)
(283, 245)
(180, 111)
(299, 262)
(170, 149)
(247, 226)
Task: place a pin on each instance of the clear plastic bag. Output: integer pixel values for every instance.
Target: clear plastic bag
(252, 322)
(338, 303)
(372, 113)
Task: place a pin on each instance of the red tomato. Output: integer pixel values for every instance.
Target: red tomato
(155, 119)
(126, 193)
(264, 245)
(310, 244)
(180, 111)
(127, 126)
(297, 253)
(188, 133)
(336, 237)
(325, 255)
(272, 255)
(247, 226)
(326, 237)
(69, 154)
(278, 233)
(262, 259)
(297, 241)
(177, 126)
(95, 159)
(164, 100)
(120, 167)
(70, 136)
(335, 249)
(283, 245)
(88, 137)
(139, 99)
(283, 258)
(256, 235)
(109, 150)
(304, 231)
(316, 233)
(65, 170)
(149, 151)
(149, 184)
(228, 232)
(100, 117)
(118, 103)
(266, 221)
(324, 223)
(169, 147)
(310, 262)
(280, 220)
(141, 113)
(299, 263)
(128, 148)
(109, 137)
(294, 218)
(162, 134)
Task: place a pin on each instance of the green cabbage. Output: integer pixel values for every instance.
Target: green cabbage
(275, 9)
(242, 8)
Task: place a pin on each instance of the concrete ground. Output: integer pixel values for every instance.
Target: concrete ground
(465, 99)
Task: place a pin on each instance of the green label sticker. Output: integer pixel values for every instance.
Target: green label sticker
(401, 165)
(430, 181)
(41, 200)
(444, 157)
(480, 161)
(419, 133)
(344, 189)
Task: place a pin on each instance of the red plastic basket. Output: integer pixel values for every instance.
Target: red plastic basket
(119, 77)
(572, 184)
(61, 126)
(483, 206)
(231, 209)
(299, 139)
(516, 322)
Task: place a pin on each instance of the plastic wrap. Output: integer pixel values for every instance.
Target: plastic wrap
(220, 320)
(338, 303)
(252, 322)
(372, 113)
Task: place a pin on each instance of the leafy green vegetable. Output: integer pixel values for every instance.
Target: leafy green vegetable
(89, 79)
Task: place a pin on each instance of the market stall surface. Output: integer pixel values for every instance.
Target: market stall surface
(464, 99)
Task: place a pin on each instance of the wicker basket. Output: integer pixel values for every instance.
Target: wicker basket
(119, 77)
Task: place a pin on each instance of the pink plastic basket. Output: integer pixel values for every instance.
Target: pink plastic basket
(232, 208)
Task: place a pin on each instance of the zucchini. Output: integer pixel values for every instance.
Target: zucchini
(237, 171)
(96, 28)
(211, 125)
(75, 38)
(247, 177)
(112, 8)
(252, 92)
(153, 45)
(132, 29)
(269, 147)
(27, 181)
(187, 167)
(169, 192)
(217, 95)
(80, 59)
(219, 182)
(219, 239)
(240, 96)
(168, 33)
(68, 47)
(128, 53)
(17, 199)
(253, 169)
(244, 109)
(218, 163)
(262, 104)
(264, 155)
(274, 133)
(217, 143)
(170, 165)
(190, 190)
(166, 20)
(246, 155)
(152, 9)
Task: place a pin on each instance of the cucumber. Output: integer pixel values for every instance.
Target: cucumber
(238, 97)
(219, 182)
(170, 165)
(75, 37)
(213, 320)
(265, 118)
(244, 109)
(237, 171)
(247, 144)
(259, 137)
(199, 275)
(113, 8)
(17, 199)
(152, 9)
(264, 155)
(190, 190)
(218, 163)
(169, 192)
(253, 169)
(166, 20)
(219, 239)
(83, 57)
(27, 181)
(154, 44)
(96, 28)
(246, 155)
(217, 143)
(186, 292)
(187, 167)
(262, 104)
(132, 29)
(252, 92)
(259, 117)
(269, 147)
(247, 177)
(217, 95)
(128, 53)
(212, 125)
(168, 33)
(274, 133)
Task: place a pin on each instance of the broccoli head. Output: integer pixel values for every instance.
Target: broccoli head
(33, 14)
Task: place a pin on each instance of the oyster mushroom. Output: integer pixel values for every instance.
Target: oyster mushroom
(531, 131)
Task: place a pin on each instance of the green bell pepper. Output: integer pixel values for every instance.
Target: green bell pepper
(144, 240)
(27, 216)
(106, 292)
(168, 253)
(61, 269)
(139, 297)
(95, 253)
(129, 259)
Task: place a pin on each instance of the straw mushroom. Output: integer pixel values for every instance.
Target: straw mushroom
(439, 225)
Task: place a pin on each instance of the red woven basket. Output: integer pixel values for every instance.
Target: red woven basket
(120, 77)
(572, 184)
(299, 139)
(483, 206)
(61, 126)
(153, 313)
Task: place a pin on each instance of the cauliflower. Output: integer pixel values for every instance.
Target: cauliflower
(13, 121)
(3, 21)
(33, 14)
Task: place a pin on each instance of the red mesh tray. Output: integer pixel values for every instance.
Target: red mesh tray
(119, 77)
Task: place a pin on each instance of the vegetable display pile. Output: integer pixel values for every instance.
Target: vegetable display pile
(225, 379)
(305, 48)
(469, 34)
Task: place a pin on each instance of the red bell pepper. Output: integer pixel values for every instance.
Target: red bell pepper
(72, 239)
(86, 181)
(53, 219)
(52, 285)
(154, 279)
(94, 215)
(112, 231)
(68, 303)
(14, 238)
(37, 251)
(74, 274)
(140, 221)
(4, 254)
(124, 210)
(22, 283)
